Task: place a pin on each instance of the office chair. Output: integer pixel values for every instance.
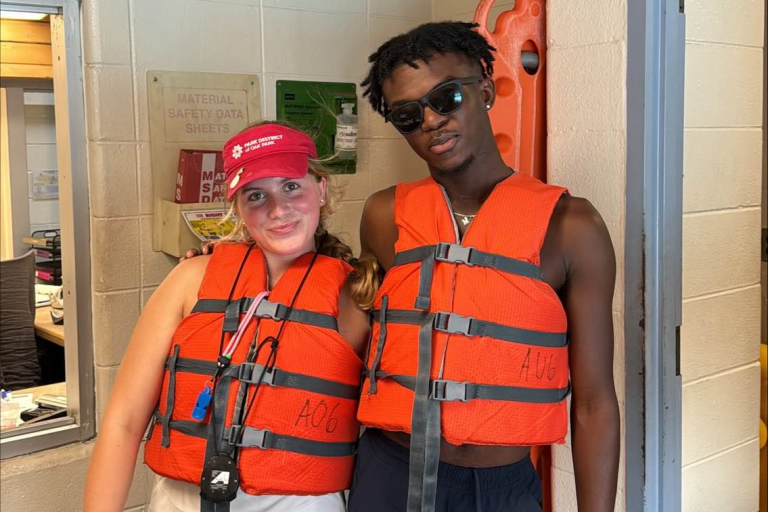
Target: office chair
(19, 364)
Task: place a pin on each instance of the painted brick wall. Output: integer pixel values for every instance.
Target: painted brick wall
(586, 151)
(721, 268)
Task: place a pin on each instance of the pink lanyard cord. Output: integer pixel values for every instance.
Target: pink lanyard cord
(244, 324)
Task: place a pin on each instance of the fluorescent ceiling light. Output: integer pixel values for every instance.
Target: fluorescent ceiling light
(19, 15)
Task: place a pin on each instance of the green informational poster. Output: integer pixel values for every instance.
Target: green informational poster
(328, 112)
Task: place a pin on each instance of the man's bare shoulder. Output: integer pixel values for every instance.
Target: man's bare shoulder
(581, 229)
(576, 213)
(378, 232)
(380, 206)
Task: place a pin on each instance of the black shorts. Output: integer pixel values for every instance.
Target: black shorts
(380, 482)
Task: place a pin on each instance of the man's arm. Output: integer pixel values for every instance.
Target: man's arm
(588, 296)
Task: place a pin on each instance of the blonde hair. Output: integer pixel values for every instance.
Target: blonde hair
(365, 277)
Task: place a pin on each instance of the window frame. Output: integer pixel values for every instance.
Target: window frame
(79, 425)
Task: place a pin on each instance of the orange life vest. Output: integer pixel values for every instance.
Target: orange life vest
(499, 358)
(300, 434)
(468, 342)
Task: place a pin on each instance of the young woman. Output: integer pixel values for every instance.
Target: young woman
(247, 361)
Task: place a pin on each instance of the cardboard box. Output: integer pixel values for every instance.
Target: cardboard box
(200, 178)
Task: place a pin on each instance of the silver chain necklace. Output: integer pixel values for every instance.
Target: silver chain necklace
(465, 219)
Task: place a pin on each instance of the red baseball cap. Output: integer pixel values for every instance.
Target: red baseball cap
(266, 151)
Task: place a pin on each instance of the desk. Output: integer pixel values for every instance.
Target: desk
(46, 329)
(60, 388)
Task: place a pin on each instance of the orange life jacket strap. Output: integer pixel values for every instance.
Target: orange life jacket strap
(249, 372)
(453, 323)
(170, 398)
(458, 254)
(466, 255)
(382, 317)
(424, 455)
(444, 390)
(266, 440)
(266, 309)
(249, 437)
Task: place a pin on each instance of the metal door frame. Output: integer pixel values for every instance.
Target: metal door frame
(653, 254)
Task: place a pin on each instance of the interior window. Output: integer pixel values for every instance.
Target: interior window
(47, 399)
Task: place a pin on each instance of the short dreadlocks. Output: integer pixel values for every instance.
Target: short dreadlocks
(422, 43)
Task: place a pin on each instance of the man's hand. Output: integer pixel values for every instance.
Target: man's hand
(205, 248)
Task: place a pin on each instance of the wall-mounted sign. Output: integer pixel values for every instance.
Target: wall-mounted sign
(327, 111)
(193, 115)
(193, 111)
(208, 224)
(44, 184)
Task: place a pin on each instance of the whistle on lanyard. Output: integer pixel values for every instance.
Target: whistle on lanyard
(203, 401)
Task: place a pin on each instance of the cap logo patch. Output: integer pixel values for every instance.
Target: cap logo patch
(237, 152)
(259, 143)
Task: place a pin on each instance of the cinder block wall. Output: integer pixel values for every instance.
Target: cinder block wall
(721, 263)
(586, 143)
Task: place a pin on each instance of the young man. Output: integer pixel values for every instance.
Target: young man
(495, 306)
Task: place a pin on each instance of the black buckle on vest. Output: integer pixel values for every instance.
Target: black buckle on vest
(453, 323)
(246, 374)
(251, 437)
(234, 434)
(273, 310)
(453, 253)
(448, 391)
(256, 438)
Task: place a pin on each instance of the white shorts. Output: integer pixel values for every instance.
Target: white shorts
(175, 496)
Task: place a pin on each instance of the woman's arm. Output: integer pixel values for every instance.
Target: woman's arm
(134, 394)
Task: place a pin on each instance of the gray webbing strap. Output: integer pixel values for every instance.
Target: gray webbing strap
(453, 323)
(382, 317)
(242, 396)
(443, 390)
(425, 433)
(219, 305)
(265, 309)
(231, 316)
(198, 366)
(250, 372)
(264, 439)
(215, 434)
(209, 506)
(425, 284)
(220, 404)
(170, 397)
(466, 255)
(426, 255)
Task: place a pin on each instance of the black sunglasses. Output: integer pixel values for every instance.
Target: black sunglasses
(445, 98)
